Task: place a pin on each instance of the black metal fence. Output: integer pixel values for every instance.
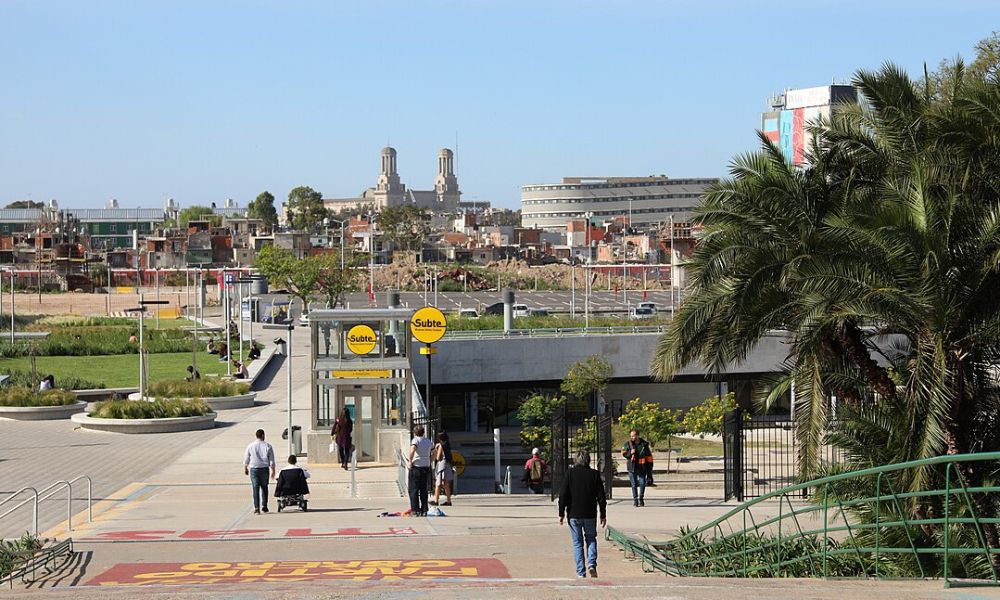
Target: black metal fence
(592, 435)
(761, 454)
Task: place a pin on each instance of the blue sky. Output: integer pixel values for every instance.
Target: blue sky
(201, 101)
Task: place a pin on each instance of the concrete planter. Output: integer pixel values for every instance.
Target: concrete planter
(41, 413)
(146, 425)
(220, 402)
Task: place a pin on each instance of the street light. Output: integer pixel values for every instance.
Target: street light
(142, 358)
(288, 353)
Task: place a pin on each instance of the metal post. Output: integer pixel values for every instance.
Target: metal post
(586, 299)
(239, 296)
(227, 316)
(354, 470)
(572, 294)
(288, 348)
(142, 366)
(427, 388)
(496, 456)
(673, 280)
(157, 296)
(342, 247)
(13, 277)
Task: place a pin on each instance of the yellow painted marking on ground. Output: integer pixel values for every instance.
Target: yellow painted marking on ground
(103, 510)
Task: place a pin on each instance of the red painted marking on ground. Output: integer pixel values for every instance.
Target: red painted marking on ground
(210, 534)
(138, 574)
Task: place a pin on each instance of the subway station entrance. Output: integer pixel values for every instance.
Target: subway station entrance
(361, 364)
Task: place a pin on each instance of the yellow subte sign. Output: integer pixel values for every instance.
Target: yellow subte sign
(428, 325)
(361, 339)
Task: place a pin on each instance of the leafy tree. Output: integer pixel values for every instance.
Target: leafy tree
(985, 65)
(305, 208)
(335, 282)
(25, 204)
(652, 422)
(535, 414)
(262, 207)
(198, 213)
(283, 270)
(588, 377)
(405, 226)
(707, 418)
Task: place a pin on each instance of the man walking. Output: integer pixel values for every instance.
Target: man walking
(534, 472)
(582, 493)
(640, 461)
(420, 469)
(258, 458)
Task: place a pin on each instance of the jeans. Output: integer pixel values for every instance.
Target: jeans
(637, 480)
(344, 454)
(584, 531)
(418, 488)
(258, 481)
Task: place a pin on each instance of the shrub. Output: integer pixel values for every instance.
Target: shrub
(150, 409)
(707, 417)
(652, 422)
(20, 396)
(203, 388)
(14, 553)
(65, 382)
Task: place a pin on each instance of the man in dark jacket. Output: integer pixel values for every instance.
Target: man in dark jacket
(640, 461)
(582, 493)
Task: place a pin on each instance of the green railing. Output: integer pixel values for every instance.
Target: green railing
(854, 524)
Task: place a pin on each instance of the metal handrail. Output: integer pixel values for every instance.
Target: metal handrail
(401, 473)
(781, 545)
(49, 491)
(554, 332)
(35, 510)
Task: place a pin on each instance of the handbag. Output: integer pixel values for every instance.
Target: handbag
(333, 447)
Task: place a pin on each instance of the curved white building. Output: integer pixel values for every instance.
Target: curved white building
(653, 199)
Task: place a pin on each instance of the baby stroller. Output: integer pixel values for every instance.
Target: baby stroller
(291, 489)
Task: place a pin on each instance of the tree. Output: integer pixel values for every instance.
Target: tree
(405, 227)
(985, 65)
(262, 207)
(335, 282)
(198, 213)
(535, 414)
(707, 418)
(283, 270)
(892, 229)
(25, 204)
(587, 377)
(305, 208)
(652, 422)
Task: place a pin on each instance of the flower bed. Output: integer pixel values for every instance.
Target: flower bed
(24, 404)
(218, 394)
(148, 416)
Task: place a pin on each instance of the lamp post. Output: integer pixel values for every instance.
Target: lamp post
(143, 367)
(371, 260)
(250, 306)
(341, 223)
(288, 353)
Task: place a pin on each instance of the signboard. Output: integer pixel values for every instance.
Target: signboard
(801, 98)
(292, 571)
(230, 277)
(428, 325)
(361, 339)
(362, 374)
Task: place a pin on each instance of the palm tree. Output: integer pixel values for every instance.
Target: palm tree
(893, 230)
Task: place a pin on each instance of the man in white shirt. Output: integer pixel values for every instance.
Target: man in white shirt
(258, 458)
(420, 469)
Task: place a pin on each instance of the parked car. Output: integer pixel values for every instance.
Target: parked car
(650, 305)
(537, 312)
(520, 310)
(642, 313)
(494, 309)
(468, 313)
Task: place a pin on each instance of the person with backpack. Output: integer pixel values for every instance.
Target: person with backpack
(640, 461)
(534, 472)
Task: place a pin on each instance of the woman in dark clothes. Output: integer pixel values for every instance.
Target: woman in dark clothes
(341, 433)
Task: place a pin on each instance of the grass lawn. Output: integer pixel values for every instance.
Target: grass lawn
(117, 370)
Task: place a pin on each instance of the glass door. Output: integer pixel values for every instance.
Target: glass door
(366, 445)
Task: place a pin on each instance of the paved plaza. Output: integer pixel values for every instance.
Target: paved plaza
(173, 514)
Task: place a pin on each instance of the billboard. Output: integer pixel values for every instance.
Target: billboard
(816, 96)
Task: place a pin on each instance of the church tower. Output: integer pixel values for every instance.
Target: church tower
(389, 191)
(446, 184)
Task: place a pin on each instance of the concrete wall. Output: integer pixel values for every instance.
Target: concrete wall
(525, 359)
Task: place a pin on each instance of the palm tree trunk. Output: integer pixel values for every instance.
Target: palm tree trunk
(851, 339)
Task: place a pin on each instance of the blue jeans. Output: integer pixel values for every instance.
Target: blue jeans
(638, 480)
(584, 531)
(258, 481)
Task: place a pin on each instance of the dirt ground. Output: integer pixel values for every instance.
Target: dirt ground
(76, 303)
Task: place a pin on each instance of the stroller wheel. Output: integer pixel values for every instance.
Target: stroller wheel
(280, 506)
(304, 505)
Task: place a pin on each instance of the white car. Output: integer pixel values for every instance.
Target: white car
(649, 305)
(520, 310)
(468, 313)
(641, 312)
